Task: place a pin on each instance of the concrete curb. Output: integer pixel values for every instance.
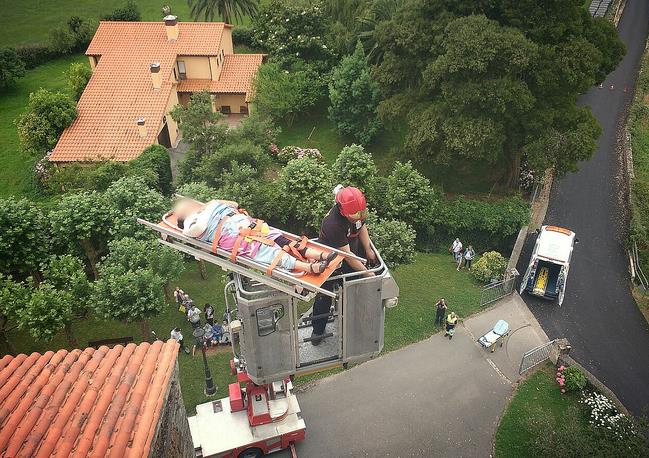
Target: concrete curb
(518, 248)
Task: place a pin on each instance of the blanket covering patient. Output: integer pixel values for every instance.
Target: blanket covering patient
(202, 223)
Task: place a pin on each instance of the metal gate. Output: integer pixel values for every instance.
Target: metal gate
(536, 356)
(494, 291)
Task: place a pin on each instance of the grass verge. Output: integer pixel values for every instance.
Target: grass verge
(538, 396)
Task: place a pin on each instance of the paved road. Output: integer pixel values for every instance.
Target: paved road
(434, 398)
(599, 317)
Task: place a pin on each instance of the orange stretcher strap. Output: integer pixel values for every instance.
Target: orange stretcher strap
(217, 233)
(249, 233)
(276, 260)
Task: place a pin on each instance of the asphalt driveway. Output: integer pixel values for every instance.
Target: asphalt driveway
(609, 335)
(433, 398)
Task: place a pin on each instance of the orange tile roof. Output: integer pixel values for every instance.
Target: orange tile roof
(120, 90)
(91, 402)
(235, 78)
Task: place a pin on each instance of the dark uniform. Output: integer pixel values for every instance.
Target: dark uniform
(336, 231)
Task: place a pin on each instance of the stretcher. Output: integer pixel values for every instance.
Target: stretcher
(541, 281)
(301, 285)
(497, 334)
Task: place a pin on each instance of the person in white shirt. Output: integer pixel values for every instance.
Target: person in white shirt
(177, 335)
(456, 250)
(194, 316)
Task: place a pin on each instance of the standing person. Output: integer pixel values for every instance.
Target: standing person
(456, 250)
(179, 296)
(469, 254)
(194, 316)
(440, 311)
(177, 335)
(451, 321)
(225, 338)
(209, 314)
(344, 229)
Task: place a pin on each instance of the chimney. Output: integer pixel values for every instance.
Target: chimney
(156, 76)
(141, 128)
(171, 26)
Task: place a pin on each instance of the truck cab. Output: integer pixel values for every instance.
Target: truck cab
(548, 269)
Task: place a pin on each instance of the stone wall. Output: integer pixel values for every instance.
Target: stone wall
(172, 437)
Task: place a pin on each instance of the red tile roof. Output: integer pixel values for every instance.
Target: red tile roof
(104, 402)
(235, 78)
(120, 90)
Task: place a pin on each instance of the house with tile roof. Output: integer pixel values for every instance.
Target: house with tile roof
(121, 402)
(141, 70)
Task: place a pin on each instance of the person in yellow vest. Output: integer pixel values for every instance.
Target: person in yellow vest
(451, 321)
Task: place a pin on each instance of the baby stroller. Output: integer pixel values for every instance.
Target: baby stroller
(497, 334)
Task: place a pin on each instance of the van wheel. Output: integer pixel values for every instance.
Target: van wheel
(251, 453)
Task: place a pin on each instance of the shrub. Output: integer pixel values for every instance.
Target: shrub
(256, 129)
(243, 36)
(354, 98)
(198, 190)
(78, 76)
(292, 30)
(282, 95)
(575, 380)
(489, 266)
(76, 177)
(489, 225)
(355, 167)
(154, 159)
(11, 67)
(307, 184)
(410, 197)
(214, 167)
(262, 198)
(73, 36)
(394, 239)
(41, 125)
(288, 153)
(129, 12)
(34, 55)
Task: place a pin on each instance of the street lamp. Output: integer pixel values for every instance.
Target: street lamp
(210, 388)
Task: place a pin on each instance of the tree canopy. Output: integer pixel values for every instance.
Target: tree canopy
(11, 67)
(494, 80)
(354, 98)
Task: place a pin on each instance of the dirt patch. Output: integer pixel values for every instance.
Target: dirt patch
(643, 302)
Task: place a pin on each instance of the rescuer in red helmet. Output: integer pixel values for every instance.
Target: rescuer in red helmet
(343, 228)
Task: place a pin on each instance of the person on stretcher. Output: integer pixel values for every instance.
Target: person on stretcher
(257, 240)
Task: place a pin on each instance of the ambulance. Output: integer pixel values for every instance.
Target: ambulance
(547, 272)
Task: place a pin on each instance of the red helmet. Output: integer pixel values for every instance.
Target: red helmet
(351, 202)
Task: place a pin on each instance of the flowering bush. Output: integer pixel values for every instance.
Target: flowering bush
(289, 153)
(526, 177)
(489, 266)
(603, 414)
(574, 378)
(43, 169)
(292, 31)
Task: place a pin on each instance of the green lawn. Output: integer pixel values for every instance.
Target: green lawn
(315, 130)
(536, 398)
(15, 173)
(411, 321)
(31, 21)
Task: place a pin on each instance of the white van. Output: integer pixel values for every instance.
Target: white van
(547, 272)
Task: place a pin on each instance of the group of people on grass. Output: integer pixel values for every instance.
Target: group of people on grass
(461, 256)
(214, 333)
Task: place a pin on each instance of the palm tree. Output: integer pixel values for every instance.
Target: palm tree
(378, 11)
(228, 10)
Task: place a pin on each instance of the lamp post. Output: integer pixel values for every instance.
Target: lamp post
(210, 388)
